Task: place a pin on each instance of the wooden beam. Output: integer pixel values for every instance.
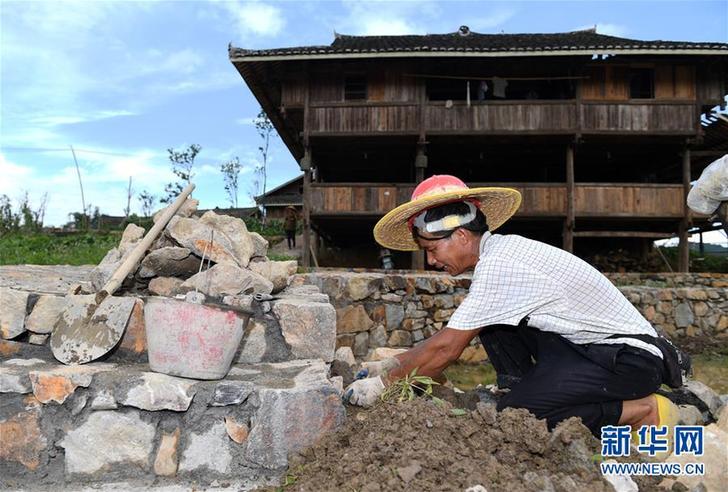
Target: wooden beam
(645, 234)
(568, 234)
(683, 248)
(306, 253)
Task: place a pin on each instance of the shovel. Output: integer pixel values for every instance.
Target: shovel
(91, 325)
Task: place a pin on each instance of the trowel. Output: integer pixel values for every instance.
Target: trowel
(91, 325)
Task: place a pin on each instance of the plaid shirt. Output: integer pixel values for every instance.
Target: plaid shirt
(517, 277)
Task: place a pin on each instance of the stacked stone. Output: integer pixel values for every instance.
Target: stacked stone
(399, 310)
(235, 259)
(110, 422)
(389, 310)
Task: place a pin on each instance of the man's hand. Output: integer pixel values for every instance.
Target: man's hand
(364, 392)
(380, 367)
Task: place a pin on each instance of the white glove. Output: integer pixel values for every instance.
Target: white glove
(379, 367)
(365, 392)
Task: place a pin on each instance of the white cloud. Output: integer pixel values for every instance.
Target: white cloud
(387, 27)
(495, 19)
(253, 17)
(54, 120)
(607, 29)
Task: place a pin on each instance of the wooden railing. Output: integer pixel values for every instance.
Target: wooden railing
(502, 117)
(539, 199)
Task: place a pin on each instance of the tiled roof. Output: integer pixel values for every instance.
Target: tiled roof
(482, 43)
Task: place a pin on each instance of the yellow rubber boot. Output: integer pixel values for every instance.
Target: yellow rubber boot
(667, 415)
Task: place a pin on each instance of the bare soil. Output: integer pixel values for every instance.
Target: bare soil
(419, 445)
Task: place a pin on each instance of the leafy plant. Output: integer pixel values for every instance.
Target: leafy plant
(230, 173)
(406, 388)
(147, 200)
(182, 163)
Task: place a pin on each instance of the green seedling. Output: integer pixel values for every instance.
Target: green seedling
(406, 388)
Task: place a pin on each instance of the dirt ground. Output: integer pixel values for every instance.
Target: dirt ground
(419, 445)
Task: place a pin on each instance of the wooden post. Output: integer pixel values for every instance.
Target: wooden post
(684, 246)
(306, 166)
(418, 257)
(568, 233)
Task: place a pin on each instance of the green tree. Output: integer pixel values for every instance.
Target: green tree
(266, 131)
(182, 164)
(230, 173)
(147, 200)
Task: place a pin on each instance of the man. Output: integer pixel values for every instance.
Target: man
(557, 332)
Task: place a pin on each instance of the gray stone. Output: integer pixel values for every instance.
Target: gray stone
(157, 391)
(231, 393)
(188, 208)
(88, 448)
(243, 301)
(106, 268)
(378, 337)
(38, 338)
(14, 375)
(706, 395)
(345, 355)
(231, 242)
(400, 338)
(278, 272)
(714, 458)
(45, 313)
(394, 314)
(169, 262)
(684, 315)
(260, 245)
(360, 287)
(361, 344)
(12, 315)
(254, 344)
(195, 297)
(227, 279)
(690, 415)
(418, 335)
(165, 286)
(309, 328)
(291, 419)
(104, 400)
(391, 298)
(210, 449)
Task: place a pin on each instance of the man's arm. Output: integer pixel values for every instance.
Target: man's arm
(433, 355)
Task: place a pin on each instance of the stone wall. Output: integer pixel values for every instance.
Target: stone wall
(375, 309)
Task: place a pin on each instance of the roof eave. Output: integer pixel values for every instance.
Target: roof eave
(476, 54)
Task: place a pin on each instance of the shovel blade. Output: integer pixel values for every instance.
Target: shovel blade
(86, 331)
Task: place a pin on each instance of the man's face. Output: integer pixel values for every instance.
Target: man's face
(449, 254)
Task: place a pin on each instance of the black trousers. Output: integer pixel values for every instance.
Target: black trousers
(291, 238)
(560, 379)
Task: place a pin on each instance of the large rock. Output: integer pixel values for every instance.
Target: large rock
(108, 438)
(715, 460)
(260, 245)
(308, 327)
(169, 262)
(278, 272)
(706, 395)
(109, 264)
(394, 314)
(45, 313)
(188, 208)
(231, 242)
(13, 306)
(227, 279)
(254, 343)
(165, 286)
(290, 419)
(130, 237)
(209, 449)
(156, 391)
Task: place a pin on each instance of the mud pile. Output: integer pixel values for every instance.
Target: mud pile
(419, 445)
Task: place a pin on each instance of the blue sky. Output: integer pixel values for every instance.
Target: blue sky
(122, 81)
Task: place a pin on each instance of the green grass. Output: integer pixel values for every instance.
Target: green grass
(48, 249)
(468, 376)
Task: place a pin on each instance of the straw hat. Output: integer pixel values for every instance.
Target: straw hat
(393, 231)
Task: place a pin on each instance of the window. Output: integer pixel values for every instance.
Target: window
(641, 83)
(355, 87)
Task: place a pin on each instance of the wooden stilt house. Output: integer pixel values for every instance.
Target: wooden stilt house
(595, 131)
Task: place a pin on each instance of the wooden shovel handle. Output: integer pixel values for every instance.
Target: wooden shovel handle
(136, 255)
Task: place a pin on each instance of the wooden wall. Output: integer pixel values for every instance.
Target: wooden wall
(539, 200)
(647, 117)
